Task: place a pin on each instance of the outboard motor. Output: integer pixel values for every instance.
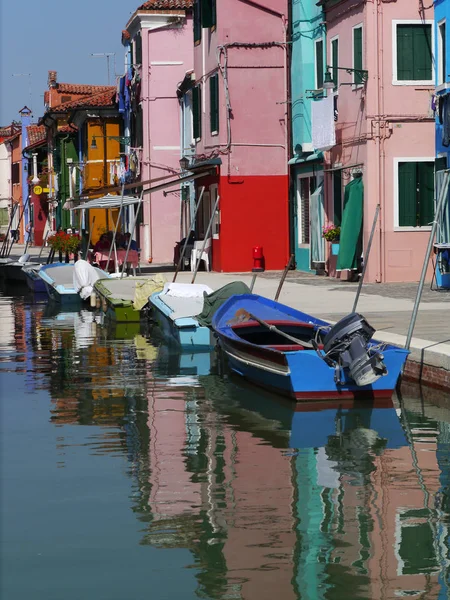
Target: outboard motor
(346, 346)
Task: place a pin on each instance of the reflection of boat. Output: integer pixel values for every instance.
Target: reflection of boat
(184, 310)
(303, 357)
(58, 280)
(182, 368)
(123, 299)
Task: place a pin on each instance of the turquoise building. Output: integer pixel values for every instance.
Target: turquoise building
(308, 63)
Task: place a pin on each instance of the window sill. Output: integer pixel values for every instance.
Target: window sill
(412, 229)
(428, 83)
(214, 133)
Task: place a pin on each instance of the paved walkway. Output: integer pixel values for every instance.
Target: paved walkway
(387, 307)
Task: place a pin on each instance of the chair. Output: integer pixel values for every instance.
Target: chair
(197, 254)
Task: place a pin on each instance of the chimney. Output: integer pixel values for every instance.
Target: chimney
(52, 82)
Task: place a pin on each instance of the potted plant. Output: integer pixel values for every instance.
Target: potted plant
(64, 243)
(332, 233)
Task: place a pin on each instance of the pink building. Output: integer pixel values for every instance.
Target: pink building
(158, 38)
(235, 119)
(384, 127)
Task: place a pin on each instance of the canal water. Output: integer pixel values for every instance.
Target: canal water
(131, 471)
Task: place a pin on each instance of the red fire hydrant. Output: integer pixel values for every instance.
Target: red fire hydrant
(258, 259)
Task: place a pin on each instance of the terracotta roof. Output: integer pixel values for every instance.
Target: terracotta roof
(9, 130)
(67, 129)
(105, 98)
(79, 88)
(166, 4)
(36, 134)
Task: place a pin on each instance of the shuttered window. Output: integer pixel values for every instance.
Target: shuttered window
(15, 173)
(337, 197)
(357, 55)
(208, 13)
(414, 52)
(214, 103)
(197, 111)
(319, 64)
(335, 61)
(415, 194)
(197, 21)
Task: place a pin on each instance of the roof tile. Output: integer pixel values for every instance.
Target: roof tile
(80, 88)
(104, 98)
(166, 4)
(36, 134)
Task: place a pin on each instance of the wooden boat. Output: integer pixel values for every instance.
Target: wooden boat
(123, 299)
(303, 357)
(12, 270)
(58, 281)
(34, 282)
(183, 312)
(175, 308)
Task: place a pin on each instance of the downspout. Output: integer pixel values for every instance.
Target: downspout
(379, 162)
(382, 133)
(289, 135)
(63, 186)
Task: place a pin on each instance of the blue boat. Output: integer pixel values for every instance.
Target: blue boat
(58, 281)
(175, 309)
(184, 311)
(306, 358)
(34, 282)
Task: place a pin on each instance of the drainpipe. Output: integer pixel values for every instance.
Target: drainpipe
(379, 187)
(63, 176)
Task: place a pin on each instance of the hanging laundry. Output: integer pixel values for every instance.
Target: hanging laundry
(323, 127)
(122, 95)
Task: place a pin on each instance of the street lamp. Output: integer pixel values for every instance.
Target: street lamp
(184, 163)
(329, 84)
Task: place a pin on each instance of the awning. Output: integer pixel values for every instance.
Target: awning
(114, 201)
(108, 201)
(297, 160)
(350, 246)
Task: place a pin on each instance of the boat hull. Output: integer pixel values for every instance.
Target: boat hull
(186, 332)
(300, 374)
(34, 282)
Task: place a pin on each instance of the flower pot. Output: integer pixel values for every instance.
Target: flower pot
(335, 248)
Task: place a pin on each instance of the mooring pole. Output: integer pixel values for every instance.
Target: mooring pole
(283, 277)
(440, 203)
(366, 257)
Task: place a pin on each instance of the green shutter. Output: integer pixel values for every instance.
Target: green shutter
(197, 21)
(407, 194)
(319, 64)
(425, 178)
(208, 13)
(214, 103)
(414, 53)
(335, 59)
(357, 54)
(197, 112)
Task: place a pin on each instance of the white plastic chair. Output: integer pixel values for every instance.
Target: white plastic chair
(205, 255)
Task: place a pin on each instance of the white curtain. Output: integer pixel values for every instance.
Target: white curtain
(317, 216)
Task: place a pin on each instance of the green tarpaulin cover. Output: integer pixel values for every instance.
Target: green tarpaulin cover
(216, 299)
(351, 228)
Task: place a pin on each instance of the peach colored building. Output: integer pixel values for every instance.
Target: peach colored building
(384, 127)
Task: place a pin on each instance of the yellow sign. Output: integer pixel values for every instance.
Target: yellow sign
(37, 190)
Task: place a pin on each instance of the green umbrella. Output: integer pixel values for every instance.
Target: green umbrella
(351, 227)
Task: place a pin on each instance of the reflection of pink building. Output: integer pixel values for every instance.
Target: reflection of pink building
(385, 127)
(159, 39)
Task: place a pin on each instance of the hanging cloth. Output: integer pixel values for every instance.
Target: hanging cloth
(446, 121)
(323, 125)
(316, 213)
(350, 243)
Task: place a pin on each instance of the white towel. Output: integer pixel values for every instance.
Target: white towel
(323, 127)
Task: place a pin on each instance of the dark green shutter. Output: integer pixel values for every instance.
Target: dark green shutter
(414, 53)
(138, 49)
(197, 112)
(214, 103)
(407, 194)
(319, 64)
(335, 59)
(357, 54)
(197, 21)
(208, 13)
(425, 178)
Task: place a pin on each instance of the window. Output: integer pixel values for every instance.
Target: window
(413, 530)
(214, 190)
(305, 187)
(197, 111)
(335, 61)
(214, 103)
(319, 64)
(412, 53)
(197, 22)
(208, 13)
(138, 49)
(357, 54)
(442, 67)
(15, 172)
(337, 198)
(415, 194)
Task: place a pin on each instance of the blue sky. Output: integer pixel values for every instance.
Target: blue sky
(42, 35)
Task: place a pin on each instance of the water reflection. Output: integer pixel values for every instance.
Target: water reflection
(351, 501)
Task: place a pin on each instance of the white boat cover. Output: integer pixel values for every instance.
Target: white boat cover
(186, 290)
(84, 277)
